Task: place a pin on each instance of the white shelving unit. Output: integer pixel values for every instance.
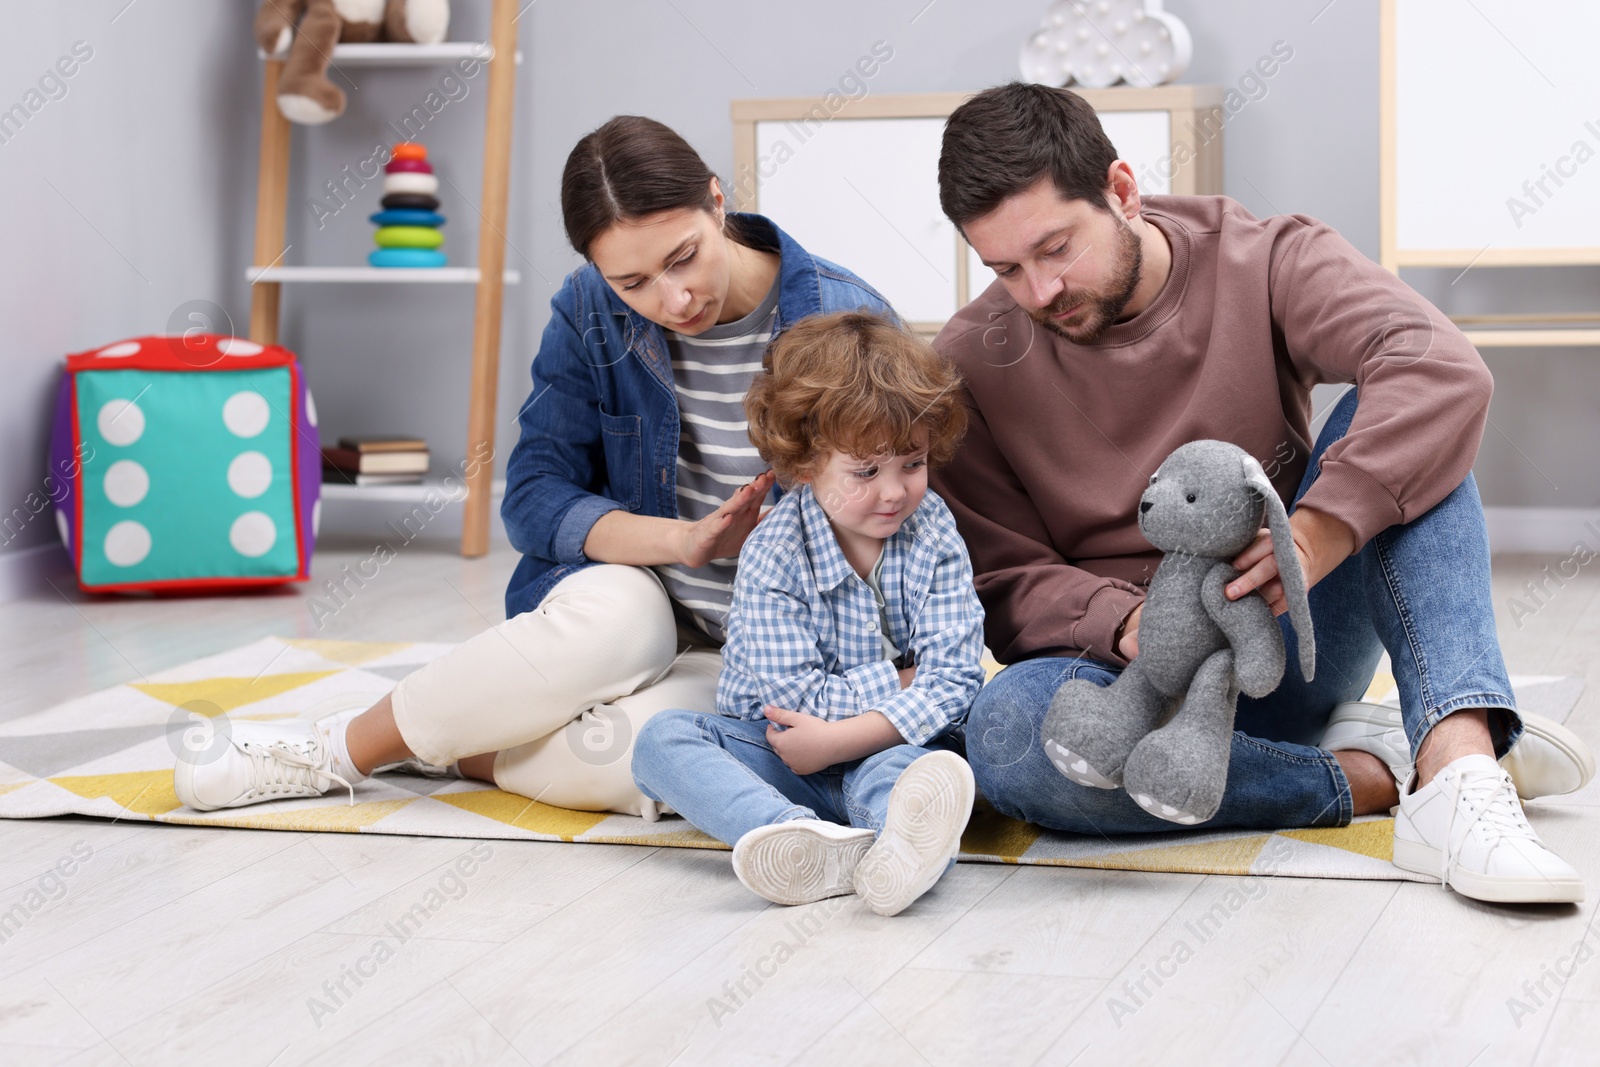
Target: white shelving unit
(401, 494)
(404, 55)
(490, 277)
(380, 275)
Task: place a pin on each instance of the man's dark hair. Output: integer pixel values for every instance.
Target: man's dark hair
(1005, 139)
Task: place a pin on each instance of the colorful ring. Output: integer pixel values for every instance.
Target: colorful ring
(406, 257)
(402, 217)
(426, 184)
(408, 237)
(408, 166)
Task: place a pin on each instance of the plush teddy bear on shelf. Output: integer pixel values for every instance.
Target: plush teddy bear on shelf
(1198, 650)
(305, 94)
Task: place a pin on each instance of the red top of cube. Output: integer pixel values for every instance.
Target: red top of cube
(184, 352)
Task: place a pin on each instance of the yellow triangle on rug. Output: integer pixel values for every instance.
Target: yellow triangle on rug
(351, 653)
(525, 814)
(226, 694)
(1375, 838)
(137, 792)
(1233, 855)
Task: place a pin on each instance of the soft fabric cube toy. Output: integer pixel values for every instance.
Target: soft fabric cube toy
(195, 465)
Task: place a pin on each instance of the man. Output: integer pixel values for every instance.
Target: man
(1124, 326)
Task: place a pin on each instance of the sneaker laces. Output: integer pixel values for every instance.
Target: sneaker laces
(1491, 801)
(282, 768)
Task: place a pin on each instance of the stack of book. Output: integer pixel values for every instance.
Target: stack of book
(375, 461)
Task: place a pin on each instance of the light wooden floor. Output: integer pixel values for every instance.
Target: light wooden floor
(175, 945)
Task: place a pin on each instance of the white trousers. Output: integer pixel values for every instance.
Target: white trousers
(561, 691)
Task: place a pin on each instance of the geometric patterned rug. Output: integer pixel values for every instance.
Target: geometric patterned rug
(111, 755)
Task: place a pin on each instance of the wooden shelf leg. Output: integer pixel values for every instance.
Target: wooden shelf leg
(491, 278)
(272, 206)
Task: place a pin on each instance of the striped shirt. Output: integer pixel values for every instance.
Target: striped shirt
(711, 372)
(806, 633)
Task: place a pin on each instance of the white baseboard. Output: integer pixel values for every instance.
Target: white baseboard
(29, 571)
(1542, 530)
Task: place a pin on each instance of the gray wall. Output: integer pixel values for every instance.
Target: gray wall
(122, 197)
(158, 157)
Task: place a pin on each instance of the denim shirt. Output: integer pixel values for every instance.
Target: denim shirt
(599, 431)
(803, 632)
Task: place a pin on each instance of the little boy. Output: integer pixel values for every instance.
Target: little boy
(854, 637)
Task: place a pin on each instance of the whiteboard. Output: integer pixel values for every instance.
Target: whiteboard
(1496, 130)
(864, 193)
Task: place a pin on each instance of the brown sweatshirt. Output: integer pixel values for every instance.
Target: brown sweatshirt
(1064, 437)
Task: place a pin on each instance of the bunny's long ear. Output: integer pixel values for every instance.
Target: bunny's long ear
(1294, 581)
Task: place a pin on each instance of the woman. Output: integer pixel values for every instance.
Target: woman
(629, 494)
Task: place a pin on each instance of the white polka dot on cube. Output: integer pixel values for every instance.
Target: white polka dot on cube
(121, 422)
(253, 534)
(250, 474)
(311, 409)
(246, 413)
(127, 543)
(126, 483)
(123, 348)
(238, 346)
(66, 531)
(316, 518)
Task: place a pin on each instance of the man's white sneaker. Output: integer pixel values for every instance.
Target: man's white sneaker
(1374, 728)
(928, 809)
(800, 861)
(258, 761)
(1548, 760)
(1466, 828)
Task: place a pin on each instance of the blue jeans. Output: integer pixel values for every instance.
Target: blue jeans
(722, 775)
(1419, 590)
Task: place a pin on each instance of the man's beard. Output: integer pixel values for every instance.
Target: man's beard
(1100, 309)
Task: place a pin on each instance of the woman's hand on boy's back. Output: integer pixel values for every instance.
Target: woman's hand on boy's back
(721, 534)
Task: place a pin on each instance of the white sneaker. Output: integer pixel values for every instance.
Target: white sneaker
(1466, 828)
(928, 810)
(262, 761)
(1548, 760)
(420, 768)
(800, 861)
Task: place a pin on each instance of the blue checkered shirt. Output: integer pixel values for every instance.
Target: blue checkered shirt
(803, 631)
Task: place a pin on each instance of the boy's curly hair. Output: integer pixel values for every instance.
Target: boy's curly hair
(854, 382)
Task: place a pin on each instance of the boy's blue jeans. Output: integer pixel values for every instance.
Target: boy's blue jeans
(1420, 590)
(722, 775)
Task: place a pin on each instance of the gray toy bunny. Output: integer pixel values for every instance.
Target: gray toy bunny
(1197, 649)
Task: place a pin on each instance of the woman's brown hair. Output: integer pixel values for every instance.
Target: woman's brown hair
(629, 168)
(855, 382)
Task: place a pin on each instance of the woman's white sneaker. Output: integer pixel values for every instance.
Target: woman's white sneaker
(800, 861)
(928, 809)
(1466, 828)
(258, 761)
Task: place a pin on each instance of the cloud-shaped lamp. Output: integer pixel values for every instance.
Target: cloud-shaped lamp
(1097, 43)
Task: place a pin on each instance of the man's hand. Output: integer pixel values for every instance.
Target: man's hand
(1321, 541)
(721, 534)
(805, 743)
(1128, 634)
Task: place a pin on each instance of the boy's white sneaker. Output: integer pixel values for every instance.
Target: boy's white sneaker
(1466, 828)
(260, 761)
(1548, 760)
(800, 861)
(928, 810)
